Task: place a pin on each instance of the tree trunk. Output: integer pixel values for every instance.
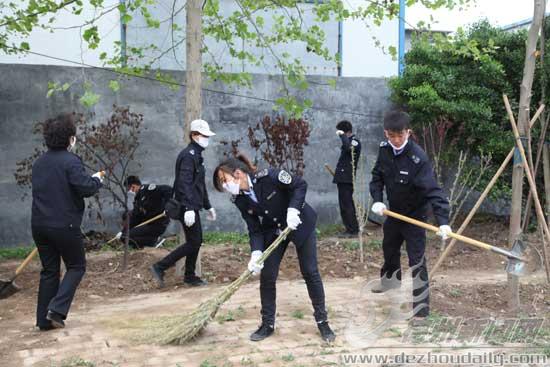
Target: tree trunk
(523, 126)
(193, 95)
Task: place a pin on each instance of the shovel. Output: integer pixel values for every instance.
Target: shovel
(516, 263)
(7, 288)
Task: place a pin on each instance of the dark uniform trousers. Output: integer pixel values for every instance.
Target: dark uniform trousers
(395, 232)
(189, 250)
(146, 235)
(347, 207)
(307, 257)
(53, 245)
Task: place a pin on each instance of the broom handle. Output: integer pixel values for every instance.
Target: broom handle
(163, 214)
(274, 245)
(26, 262)
(435, 229)
(139, 225)
(224, 296)
(329, 169)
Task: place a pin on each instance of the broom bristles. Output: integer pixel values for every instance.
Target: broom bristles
(181, 329)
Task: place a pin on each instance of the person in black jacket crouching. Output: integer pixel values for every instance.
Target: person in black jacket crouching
(59, 186)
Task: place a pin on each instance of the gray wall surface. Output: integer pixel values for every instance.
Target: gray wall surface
(23, 102)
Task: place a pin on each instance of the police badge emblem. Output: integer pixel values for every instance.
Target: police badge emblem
(285, 177)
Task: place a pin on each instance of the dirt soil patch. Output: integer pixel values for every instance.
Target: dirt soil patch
(472, 282)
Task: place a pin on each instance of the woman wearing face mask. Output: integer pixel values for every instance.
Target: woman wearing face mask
(270, 200)
(59, 186)
(190, 190)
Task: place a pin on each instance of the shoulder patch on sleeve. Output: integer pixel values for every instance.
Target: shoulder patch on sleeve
(262, 173)
(284, 177)
(354, 143)
(192, 152)
(152, 187)
(383, 143)
(415, 158)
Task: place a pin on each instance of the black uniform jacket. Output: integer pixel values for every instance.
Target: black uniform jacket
(59, 186)
(149, 202)
(343, 172)
(189, 184)
(410, 183)
(276, 191)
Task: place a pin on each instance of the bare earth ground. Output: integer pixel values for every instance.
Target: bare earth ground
(472, 285)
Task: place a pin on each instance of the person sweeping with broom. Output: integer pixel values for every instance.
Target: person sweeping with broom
(269, 200)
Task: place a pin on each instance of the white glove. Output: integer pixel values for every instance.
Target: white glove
(118, 235)
(99, 175)
(253, 266)
(293, 218)
(339, 132)
(444, 232)
(211, 215)
(189, 218)
(378, 208)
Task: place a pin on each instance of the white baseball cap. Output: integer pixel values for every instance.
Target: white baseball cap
(201, 127)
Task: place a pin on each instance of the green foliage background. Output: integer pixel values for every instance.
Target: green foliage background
(461, 80)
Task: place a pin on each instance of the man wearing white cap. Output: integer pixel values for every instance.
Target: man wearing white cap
(190, 191)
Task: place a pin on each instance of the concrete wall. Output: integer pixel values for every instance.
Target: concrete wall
(23, 102)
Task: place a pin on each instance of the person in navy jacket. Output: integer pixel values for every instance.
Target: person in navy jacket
(270, 200)
(59, 186)
(404, 171)
(190, 190)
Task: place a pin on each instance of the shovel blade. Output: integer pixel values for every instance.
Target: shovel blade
(515, 267)
(7, 289)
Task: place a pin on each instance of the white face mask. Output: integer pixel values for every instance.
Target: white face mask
(72, 144)
(401, 147)
(232, 187)
(202, 141)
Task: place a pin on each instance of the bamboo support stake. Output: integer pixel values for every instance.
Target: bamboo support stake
(533, 186)
(479, 201)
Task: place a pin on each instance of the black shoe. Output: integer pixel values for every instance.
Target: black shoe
(263, 332)
(194, 281)
(56, 319)
(46, 327)
(384, 286)
(347, 235)
(326, 332)
(158, 275)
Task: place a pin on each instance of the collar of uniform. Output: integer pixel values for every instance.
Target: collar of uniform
(250, 186)
(402, 150)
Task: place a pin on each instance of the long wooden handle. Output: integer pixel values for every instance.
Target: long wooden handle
(329, 169)
(26, 262)
(163, 214)
(432, 228)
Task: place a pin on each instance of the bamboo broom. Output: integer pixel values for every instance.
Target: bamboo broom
(182, 329)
